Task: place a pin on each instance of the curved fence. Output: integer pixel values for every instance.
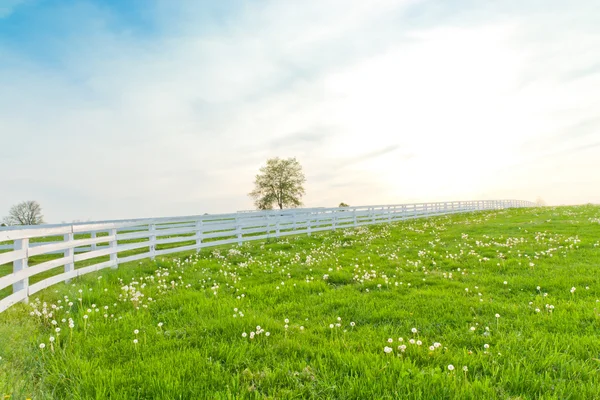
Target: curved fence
(35, 257)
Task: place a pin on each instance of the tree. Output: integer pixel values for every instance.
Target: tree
(342, 204)
(540, 202)
(25, 213)
(280, 182)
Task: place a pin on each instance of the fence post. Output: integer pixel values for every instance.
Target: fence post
(238, 230)
(308, 228)
(333, 220)
(354, 217)
(19, 265)
(152, 240)
(277, 226)
(372, 215)
(94, 245)
(199, 227)
(69, 254)
(268, 224)
(389, 214)
(113, 247)
(294, 220)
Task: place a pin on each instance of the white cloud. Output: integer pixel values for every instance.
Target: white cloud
(179, 124)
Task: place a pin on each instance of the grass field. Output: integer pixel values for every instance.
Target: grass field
(487, 305)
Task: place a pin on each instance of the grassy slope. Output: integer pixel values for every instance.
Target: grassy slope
(200, 351)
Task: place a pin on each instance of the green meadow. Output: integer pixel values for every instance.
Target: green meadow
(484, 305)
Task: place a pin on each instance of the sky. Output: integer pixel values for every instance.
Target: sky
(116, 109)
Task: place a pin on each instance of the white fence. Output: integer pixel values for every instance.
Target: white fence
(80, 248)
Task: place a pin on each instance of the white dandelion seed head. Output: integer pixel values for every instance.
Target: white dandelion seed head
(451, 367)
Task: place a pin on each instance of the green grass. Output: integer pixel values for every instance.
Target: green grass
(386, 279)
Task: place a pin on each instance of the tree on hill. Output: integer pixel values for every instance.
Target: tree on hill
(279, 183)
(342, 204)
(25, 213)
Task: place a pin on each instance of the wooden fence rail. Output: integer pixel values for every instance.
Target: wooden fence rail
(81, 248)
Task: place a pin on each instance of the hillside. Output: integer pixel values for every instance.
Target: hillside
(501, 304)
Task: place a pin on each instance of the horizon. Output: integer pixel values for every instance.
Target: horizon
(124, 110)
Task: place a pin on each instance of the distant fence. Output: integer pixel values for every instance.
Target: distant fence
(50, 254)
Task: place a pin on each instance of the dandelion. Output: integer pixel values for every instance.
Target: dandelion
(390, 340)
(42, 346)
(414, 330)
(267, 333)
(419, 343)
(472, 328)
(135, 332)
(287, 321)
(301, 328)
(437, 344)
(486, 346)
(465, 368)
(135, 341)
(431, 348)
(331, 326)
(387, 350)
(411, 341)
(451, 367)
(57, 330)
(352, 324)
(573, 290)
(52, 339)
(244, 334)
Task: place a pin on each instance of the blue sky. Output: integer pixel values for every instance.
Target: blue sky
(119, 109)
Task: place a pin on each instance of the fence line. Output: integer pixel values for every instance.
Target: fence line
(106, 244)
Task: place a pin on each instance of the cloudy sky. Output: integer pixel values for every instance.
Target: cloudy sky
(139, 108)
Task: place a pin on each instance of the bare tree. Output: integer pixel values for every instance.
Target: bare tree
(25, 213)
(280, 182)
